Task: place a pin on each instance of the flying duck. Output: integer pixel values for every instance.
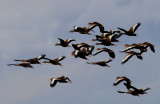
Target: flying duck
(84, 30)
(26, 65)
(134, 46)
(55, 61)
(99, 38)
(130, 54)
(79, 46)
(123, 78)
(132, 30)
(140, 91)
(81, 53)
(64, 43)
(62, 79)
(110, 52)
(106, 42)
(100, 63)
(147, 44)
(134, 93)
(33, 60)
(101, 27)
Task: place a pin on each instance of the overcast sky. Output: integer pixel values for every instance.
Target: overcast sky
(29, 28)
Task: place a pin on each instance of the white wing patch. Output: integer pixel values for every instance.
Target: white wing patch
(127, 57)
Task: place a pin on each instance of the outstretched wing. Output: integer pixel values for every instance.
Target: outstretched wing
(53, 82)
(61, 41)
(111, 54)
(136, 26)
(99, 51)
(60, 58)
(69, 40)
(152, 48)
(128, 48)
(147, 89)
(127, 57)
(117, 82)
(121, 92)
(41, 57)
(109, 60)
(122, 29)
(68, 79)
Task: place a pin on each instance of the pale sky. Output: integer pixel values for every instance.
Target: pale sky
(29, 28)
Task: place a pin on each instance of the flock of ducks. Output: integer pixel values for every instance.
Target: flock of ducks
(84, 50)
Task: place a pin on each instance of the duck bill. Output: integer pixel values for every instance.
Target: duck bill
(87, 59)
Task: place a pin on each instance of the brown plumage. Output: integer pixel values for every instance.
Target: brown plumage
(130, 54)
(132, 30)
(100, 63)
(26, 65)
(121, 79)
(106, 42)
(79, 46)
(55, 61)
(64, 43)
(134, 93)
(84, 30)
(134, 46)
(101, 27)
(110, 52)
(140, 91)
(62, 79)
(81, 53)
(147, 44)
(33, 60)
(101, 37)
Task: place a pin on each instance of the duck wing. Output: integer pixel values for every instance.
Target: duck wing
(99, 51)
(53, 82)
(61, 41)
(121, 92)
(122, 29)
(152, 48)
(147, 89)
(127, 57)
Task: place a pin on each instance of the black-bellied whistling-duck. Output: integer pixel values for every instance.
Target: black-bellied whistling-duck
(106, 42)
(100, 37)
(134, 93)
(140, 91)
(123, 78)
(114, 37)
(110, 52)
(147, 44)
(62, 79)
(134, 46)
(79, 46)
(26, 65)
(64, 43)
(55, 61)
(101, 27)
(81, 53)
(84, 30)
(130, 54)
(34, 60)
(101, 63)
(132, 30)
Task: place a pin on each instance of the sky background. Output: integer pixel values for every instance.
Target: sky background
(29, 28)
